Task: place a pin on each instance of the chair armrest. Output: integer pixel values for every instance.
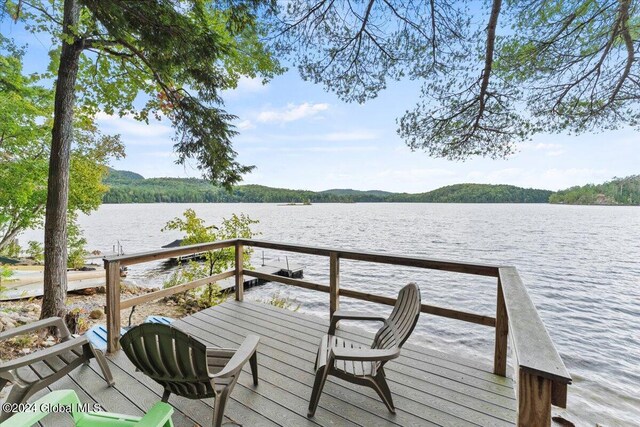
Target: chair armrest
(246, 350)
(352, 315)
(35, 326)
(364, 354)
(157, 416)
(43, 354)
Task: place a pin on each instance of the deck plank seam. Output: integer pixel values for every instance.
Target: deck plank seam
(355, 390)
(409, 399)
(322, 325)
(265, 367)
(312, 352)
(508, 406)
(361, 339)
(132, 377)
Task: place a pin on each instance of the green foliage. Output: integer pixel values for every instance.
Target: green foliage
(283, 302)
(76, 243)
(12, 249)
(25, 132)
(179, 54)
(194, 300)
(5, 274)
(195, 231)
(493, 73)
(477, 193)
(618, 191)
(180, 190)
(35, 251)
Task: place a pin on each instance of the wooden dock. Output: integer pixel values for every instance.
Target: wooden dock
(429, 387)
(273, 267)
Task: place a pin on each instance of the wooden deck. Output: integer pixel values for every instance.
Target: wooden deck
(429, 387)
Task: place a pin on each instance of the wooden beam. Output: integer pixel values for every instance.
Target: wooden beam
(532, 347)
(334, 283)
(287, 281)
(559, 394)
(238, 271)
(425, 308)
(151, 296)
(112, 309)
(534, 400)
(434, 264)
(160, 254)
(502, 333)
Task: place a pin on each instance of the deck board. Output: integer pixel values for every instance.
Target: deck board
(429, 387)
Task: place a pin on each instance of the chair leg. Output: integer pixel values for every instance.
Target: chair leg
(104, 366)
(382, 388)
(253, 361)
(318, 385)
(218, 407)
(17, 395)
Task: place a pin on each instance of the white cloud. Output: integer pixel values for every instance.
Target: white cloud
(415, 173)
(315, 149)
(549, 149)
(130, 128)
(499, 176)
(356, 135)
(245, 125)
(246, 86)
(555, 153)
(292, 113)
(162, 154)
(563, 178)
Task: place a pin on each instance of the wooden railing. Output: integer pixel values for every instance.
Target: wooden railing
(540, 375)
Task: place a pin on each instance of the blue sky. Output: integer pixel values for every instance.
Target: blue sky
(300, 136)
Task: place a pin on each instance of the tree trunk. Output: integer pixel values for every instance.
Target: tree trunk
(55, 226)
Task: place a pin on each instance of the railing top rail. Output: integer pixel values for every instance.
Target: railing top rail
(434, 264)
(140, 257)
(532, 344)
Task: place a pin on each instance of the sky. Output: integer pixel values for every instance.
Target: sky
(299, 136)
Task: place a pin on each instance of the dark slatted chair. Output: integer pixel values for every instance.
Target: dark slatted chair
(60, 359)
(186, 367)
(363, 365)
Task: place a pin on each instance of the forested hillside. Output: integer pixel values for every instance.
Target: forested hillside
(129, 187)
(476, 193)
(618, 191)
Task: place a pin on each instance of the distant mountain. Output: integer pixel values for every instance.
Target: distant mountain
(116, 176)
(618, 191)
(130, 187)
(477, 193)
(350, 192)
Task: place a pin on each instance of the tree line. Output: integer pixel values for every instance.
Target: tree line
(127, 188)
(618, 191)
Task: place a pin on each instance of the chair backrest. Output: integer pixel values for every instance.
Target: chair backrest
(402, 319)
(172, 358)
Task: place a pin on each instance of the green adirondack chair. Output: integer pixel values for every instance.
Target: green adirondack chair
(158, 416)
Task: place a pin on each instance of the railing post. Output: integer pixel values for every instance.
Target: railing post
(502, 333)
(534, 400)
(113, 306)
(334, 282)
(239, 275)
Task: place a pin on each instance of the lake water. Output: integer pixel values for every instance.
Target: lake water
(581, 265)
